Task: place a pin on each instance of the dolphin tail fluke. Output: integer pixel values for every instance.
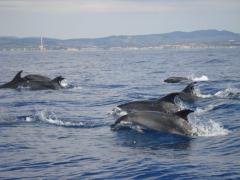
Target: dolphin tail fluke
(170, 97)
(184, 113)
(113, 126)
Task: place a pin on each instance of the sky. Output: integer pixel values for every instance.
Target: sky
(67, 19)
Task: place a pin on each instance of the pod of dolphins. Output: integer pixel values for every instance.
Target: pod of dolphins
(161, 114)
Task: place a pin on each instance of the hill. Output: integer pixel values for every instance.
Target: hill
(199, 38)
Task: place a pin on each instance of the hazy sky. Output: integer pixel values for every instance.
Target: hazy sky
(97, 18)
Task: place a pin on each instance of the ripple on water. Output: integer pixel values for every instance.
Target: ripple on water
(66, 134)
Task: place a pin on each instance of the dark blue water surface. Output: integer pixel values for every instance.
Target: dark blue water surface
(66, 134)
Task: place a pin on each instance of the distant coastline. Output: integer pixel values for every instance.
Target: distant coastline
(173, 40)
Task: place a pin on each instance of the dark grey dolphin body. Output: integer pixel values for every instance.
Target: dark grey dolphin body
(34, 82)
(175, 79)
(188, 93)
(36, 77)
(176, 123)
(164, 104)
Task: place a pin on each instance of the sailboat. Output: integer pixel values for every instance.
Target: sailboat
(41, 47)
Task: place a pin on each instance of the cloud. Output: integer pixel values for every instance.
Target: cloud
(87, 6)
(95, 18)
(113, 6)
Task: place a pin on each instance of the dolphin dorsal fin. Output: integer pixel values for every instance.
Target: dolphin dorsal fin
(169, 97)
(184, 113)
(189, 88)
(17, 76)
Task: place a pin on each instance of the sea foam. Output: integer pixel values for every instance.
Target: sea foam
(51, 118)
(201, 78)
(207, 127)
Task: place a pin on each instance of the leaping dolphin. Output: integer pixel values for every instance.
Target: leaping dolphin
(34, 82)
(176, 123)
(164, 104)
(188, 93)
(175, 79)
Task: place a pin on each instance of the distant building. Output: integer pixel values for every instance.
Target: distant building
(72, 49)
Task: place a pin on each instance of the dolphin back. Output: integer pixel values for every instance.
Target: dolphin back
(189, 88)
(36, 77)
(170, 97)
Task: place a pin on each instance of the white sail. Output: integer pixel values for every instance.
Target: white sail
(41, 46)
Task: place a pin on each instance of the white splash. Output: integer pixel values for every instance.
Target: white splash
(64, 83)
(198, 93)
(118, 112)
(29, 119)
(207, 128)
(229, 92)
(131, 125)
(180, 104)
(51, 118)
(137, 128)
(201, 78)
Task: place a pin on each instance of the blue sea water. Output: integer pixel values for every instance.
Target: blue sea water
(65, 134)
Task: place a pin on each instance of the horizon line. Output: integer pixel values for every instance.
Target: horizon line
(107, 36)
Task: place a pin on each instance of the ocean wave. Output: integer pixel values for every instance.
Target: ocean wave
(200, 110)
(229, 92)
(75, 87)
(232, 93)
(198, 93)
(51, 118)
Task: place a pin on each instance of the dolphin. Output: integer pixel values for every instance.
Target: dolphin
(175, 79)
(164, 104)
(188, 93)
(175, 123)
(34, 82)
(14, 83)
